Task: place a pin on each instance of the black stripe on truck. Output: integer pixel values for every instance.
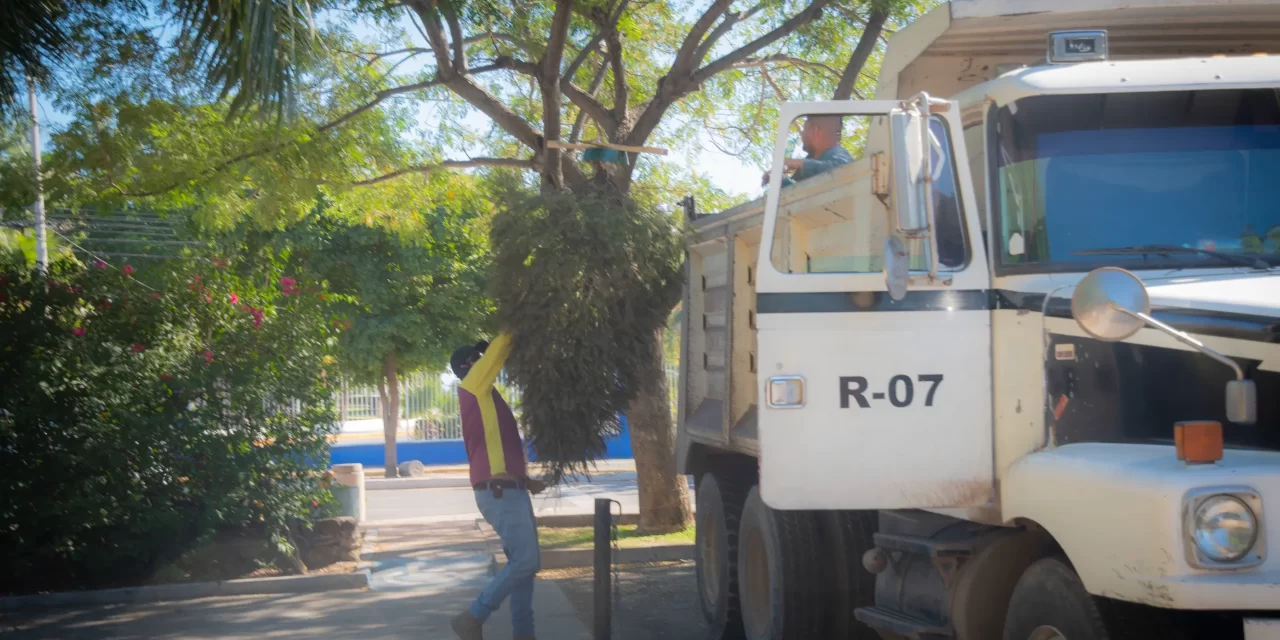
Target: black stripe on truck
(848, 302)
(1255, 328)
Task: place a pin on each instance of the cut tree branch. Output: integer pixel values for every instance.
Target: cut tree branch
(620, 87)
(449, 164)
(861, 53)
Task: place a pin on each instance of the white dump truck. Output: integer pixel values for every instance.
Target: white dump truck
(1015, 372)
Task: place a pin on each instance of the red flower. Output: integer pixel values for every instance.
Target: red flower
(156, 295)
(257, 316)
(137, 348)
(234, 298)
(314, 504)
(128, 269)
(208, 357)
(78, 332)
(166, 377)
(219, 263)
(99, 264)
(208, 298)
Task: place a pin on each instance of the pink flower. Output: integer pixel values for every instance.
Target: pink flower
(234, 298)
(137, 348)
(128, 269)
(99, 264)
(156, 295)
(219, 263)
(257, 317)
(314, 504)
(78, 332)
(208, 357)
(289, 285)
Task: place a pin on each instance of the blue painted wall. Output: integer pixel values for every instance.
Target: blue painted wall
(447, 451)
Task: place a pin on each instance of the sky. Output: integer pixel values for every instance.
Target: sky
(724, 171)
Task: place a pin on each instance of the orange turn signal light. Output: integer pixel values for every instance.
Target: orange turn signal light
(1198, 442)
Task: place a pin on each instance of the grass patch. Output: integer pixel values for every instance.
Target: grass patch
(571, 537)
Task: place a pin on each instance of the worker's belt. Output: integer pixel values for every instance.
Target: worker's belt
(496, 486)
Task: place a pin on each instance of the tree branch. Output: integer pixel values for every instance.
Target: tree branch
(590, 106)
(681, 81)
(606, 27)
(782, 58)
(429, 12)
(596, 82)
(861, 53)
(448, 164)
(684, 62)
(455, 35)
(730, 20)
(620, 88)
(809, 14)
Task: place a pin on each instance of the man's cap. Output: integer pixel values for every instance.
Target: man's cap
(458, 361)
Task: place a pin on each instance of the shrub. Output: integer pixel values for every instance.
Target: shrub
(140, 416)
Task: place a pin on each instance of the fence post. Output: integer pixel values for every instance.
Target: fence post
(603, 587)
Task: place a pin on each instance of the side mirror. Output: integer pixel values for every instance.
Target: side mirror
(909, 127)
(1112, 304)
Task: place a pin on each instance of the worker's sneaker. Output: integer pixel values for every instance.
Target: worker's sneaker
(466, 626)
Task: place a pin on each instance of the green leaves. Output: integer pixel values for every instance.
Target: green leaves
(583, 281)
(144, 411)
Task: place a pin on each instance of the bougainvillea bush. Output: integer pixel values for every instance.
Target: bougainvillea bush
(144, 409)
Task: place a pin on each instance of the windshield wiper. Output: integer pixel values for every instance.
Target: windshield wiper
(1168, 250)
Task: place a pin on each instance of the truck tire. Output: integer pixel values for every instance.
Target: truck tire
(720, 498)
(847, 535)
(1050, 603)
(781, 573)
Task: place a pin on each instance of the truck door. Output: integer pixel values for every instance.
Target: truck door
(873, 400)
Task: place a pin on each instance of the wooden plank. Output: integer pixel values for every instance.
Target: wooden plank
(604, 145)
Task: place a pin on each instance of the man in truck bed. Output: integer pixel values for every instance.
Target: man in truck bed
(821, 139)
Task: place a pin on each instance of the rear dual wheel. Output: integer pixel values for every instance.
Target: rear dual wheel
(720, 498)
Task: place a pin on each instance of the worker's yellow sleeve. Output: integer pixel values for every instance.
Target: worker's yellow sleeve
(486, 370)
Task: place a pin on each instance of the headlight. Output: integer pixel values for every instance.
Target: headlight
(1225, 528)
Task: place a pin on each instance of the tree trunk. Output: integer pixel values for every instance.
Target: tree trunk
(389, 396)
(664, 494)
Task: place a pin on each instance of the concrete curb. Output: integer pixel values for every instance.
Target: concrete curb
(581, 520)
(448, 482)
(565, 558)
(367, 548)
(191, 591)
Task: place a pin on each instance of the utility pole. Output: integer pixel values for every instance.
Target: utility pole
(42, 246)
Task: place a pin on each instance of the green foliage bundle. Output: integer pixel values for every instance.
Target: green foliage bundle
(585, 282)
(143, 411)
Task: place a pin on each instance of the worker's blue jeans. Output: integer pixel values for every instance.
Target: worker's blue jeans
(512, 517)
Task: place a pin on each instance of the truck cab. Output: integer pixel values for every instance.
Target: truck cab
(1014, 372)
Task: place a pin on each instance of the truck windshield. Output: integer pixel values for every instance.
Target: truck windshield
(1193, 169)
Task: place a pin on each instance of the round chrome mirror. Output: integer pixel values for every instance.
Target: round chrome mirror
(1105, 301)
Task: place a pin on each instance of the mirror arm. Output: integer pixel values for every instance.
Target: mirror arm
(1186, 339)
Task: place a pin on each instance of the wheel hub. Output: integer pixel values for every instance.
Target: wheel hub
(1046, 632)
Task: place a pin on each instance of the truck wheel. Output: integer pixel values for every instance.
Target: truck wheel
(847, 535)
(1050, 603)
(781, 578)
(719, 513)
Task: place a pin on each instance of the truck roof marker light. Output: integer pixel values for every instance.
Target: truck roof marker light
(1066, 47)
(1198, 442)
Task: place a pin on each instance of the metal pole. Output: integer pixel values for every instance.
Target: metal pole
(603, 589)
(42, 247)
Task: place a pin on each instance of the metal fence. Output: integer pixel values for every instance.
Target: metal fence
(428, 406)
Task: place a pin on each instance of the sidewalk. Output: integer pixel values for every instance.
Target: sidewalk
(455, 476)
(422, 576)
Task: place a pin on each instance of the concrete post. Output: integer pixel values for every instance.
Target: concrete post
(349, 489)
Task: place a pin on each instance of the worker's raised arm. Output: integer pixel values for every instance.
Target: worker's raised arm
(487, 368)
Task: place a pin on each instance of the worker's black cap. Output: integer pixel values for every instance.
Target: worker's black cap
(459, 361)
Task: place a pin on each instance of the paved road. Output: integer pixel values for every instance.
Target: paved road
(402, 505)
